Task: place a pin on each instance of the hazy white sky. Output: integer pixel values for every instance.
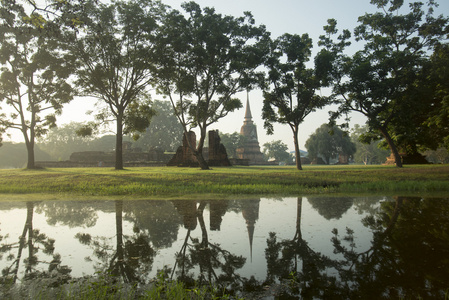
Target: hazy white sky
(280, 16)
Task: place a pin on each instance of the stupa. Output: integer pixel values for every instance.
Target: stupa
(250, 150)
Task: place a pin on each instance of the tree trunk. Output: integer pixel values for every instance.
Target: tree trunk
(22, 239)
(119, 232)
(29, 143)
(29, 140)
(199, 152)
(298, 234)
(30, 151)
(201, 161)
(394, 150)
(119, 143)
(297, 152)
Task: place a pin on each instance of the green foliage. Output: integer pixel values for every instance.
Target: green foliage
(138, 118)
(438, 117)
(34, 73)
(438, 156)
(207, 58)
(164, 131)
(367, 151)
(14, 155)
(277, 150)
(115, 57)
(328, 143)
(232, 141)
(102, 286)
(387, 80)
(61, 142)
(293, 86)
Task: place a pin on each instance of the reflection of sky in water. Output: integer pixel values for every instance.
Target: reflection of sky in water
(275, 215)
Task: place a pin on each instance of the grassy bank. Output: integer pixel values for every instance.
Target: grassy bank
(168, 182)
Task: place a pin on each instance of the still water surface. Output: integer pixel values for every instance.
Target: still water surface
(314, 247)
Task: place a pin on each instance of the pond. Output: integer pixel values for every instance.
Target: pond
(309, 247)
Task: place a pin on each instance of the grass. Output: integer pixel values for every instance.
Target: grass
(173, 182)
(105, 287)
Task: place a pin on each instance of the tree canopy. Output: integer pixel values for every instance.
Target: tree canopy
(277, 150)
(328, 143)
(114, 47)
(164, 132)
(232, 141)
(385, 80)
(367, 151)
(206, 58)
(438, 98)
(291, 91)
(34, 73)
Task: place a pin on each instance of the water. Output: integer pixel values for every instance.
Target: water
(313, 247)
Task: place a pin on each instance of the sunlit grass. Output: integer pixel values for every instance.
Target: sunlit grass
(162, 182)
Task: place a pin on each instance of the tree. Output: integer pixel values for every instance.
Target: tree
(132, 257)
(277, 150)
(60, 142)
(207, 58)
(115, 53)
(438, 156)
(35, 241)
(296, 261)
(232, 141)
(380, 81)
(34, 73)
(369, 152)
(438, 118)
(329, 142)
(217, 266)
(14, 155)
(164, 132)
(293, 95)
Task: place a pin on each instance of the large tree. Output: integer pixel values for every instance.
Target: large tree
(164, 132)
(34, 73)
(367, 151)
(438, 118)
(291, 91)
(206, 59)
(232, 141)
(277, 150)
(114, 46)
(60, 142)
(329, 142)
(380, 81)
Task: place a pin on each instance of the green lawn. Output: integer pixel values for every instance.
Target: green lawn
(173, 182)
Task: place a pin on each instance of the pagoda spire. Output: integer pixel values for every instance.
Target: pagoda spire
(248, 116)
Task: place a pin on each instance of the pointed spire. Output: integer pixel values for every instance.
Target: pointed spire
(250, 228)
(250, 212)
(248, 115)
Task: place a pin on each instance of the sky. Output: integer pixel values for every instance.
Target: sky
(280, 16)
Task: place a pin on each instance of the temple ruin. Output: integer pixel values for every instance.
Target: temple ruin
(215, 155)
(250, 150)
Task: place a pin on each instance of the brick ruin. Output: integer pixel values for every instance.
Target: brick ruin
(132, 157)
(215, 155)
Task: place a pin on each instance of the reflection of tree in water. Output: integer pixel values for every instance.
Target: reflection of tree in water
(133, 256)
(295, 260)
(366, 205)
(70, 213)
(216, 265)
(408, 256)
(331, 207)
(159, 218)
(34, 241)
